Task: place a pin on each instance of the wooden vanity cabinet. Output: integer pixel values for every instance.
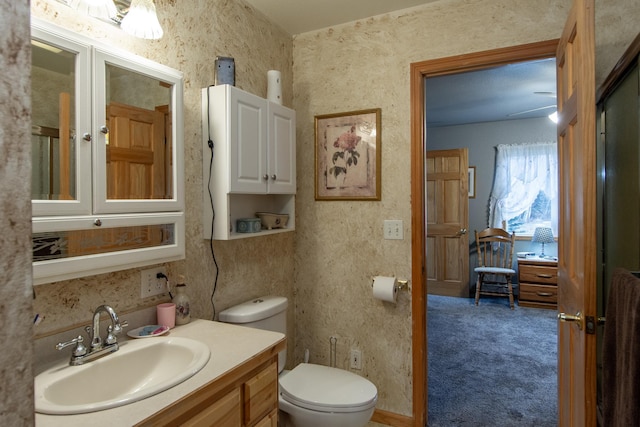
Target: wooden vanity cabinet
(246, 396)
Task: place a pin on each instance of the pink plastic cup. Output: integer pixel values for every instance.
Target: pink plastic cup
(167, 314)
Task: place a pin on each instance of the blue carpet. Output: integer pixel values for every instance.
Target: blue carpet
(489, 365)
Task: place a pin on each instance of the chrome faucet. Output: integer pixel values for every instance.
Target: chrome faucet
(98, 347)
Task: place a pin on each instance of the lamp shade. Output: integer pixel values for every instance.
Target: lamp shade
(542, 235)
(142, 21)
(102, 9)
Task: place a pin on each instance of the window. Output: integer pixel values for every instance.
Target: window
(525, 188)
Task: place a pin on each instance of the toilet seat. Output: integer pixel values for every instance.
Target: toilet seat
(325, 389)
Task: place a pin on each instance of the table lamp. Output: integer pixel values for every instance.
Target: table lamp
(542, 235)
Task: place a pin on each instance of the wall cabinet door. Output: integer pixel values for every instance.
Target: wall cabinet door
(138, 166)
(246, 137)
(282, 150)
(60, 156)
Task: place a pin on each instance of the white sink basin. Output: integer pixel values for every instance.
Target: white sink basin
(139, 369)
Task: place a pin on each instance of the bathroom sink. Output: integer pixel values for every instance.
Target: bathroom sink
(139, 369)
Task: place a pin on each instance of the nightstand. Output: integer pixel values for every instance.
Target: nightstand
(538, 279)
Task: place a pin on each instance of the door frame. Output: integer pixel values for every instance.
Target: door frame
(419, 71)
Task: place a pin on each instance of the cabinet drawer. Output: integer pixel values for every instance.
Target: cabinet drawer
(538, 274)
(261, 394)
(538, 293)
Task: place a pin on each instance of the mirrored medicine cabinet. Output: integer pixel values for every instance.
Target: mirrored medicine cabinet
(107, 157)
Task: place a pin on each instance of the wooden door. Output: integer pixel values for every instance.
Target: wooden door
(135, 153)
(577, 223)
(447, 222)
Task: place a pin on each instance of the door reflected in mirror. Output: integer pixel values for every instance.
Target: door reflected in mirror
(138, 143)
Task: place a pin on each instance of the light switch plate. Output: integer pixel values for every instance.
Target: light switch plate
(393, 229)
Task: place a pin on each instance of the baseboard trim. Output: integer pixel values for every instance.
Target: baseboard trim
(391, 419)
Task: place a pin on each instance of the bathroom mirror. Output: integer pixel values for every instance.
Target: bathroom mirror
(107, 153)
(138, 139)
(53, 115)
(136, 123)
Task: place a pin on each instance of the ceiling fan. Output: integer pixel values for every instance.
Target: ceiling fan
(547, 94)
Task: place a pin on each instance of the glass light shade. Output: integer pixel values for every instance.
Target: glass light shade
(142, 21)
(101, 9)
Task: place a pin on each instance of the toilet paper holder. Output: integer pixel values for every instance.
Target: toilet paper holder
(400, 283)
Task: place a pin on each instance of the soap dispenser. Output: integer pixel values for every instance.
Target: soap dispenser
(183, 315)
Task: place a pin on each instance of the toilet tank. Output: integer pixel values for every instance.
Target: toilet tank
(268, 313)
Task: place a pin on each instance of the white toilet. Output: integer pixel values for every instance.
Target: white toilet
(310, 395)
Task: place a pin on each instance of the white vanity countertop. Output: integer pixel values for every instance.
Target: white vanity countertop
(230, 346)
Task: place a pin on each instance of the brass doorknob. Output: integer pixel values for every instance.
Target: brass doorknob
(578, 318)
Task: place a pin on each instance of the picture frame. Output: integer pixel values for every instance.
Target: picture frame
(348, 155)
(471, 172)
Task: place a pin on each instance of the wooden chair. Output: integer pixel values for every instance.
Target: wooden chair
(495, 268)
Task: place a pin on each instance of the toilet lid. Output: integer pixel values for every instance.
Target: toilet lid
(326, 389)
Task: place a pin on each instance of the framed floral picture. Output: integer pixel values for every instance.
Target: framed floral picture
(348, 155)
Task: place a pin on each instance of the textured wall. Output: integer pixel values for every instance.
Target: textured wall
(339, 244)
(616, 27)
(194, 33)
(16, 385)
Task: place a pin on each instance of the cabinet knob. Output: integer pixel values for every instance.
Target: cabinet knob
(273, 177)
(86, 136)
(265, 177)
(97, 222)
(104, 129)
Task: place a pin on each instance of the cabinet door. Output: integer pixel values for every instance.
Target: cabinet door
(247, 141)
(282, 150)
(137, 167)
(61, 105)
(261, 394)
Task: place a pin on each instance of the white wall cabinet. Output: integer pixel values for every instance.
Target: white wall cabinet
(249, 151)
(108, 166)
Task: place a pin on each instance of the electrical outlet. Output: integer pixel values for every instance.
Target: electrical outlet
(393, 229)
(356, 359)
(150, 284)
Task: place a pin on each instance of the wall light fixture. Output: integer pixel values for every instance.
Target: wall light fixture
(136, 17)
(101, 9)
(141, 20)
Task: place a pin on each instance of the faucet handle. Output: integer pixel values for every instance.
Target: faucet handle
(118, 327)
(112, 331)
(79, 350)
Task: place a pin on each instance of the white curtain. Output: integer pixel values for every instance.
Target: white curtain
(522, 171)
